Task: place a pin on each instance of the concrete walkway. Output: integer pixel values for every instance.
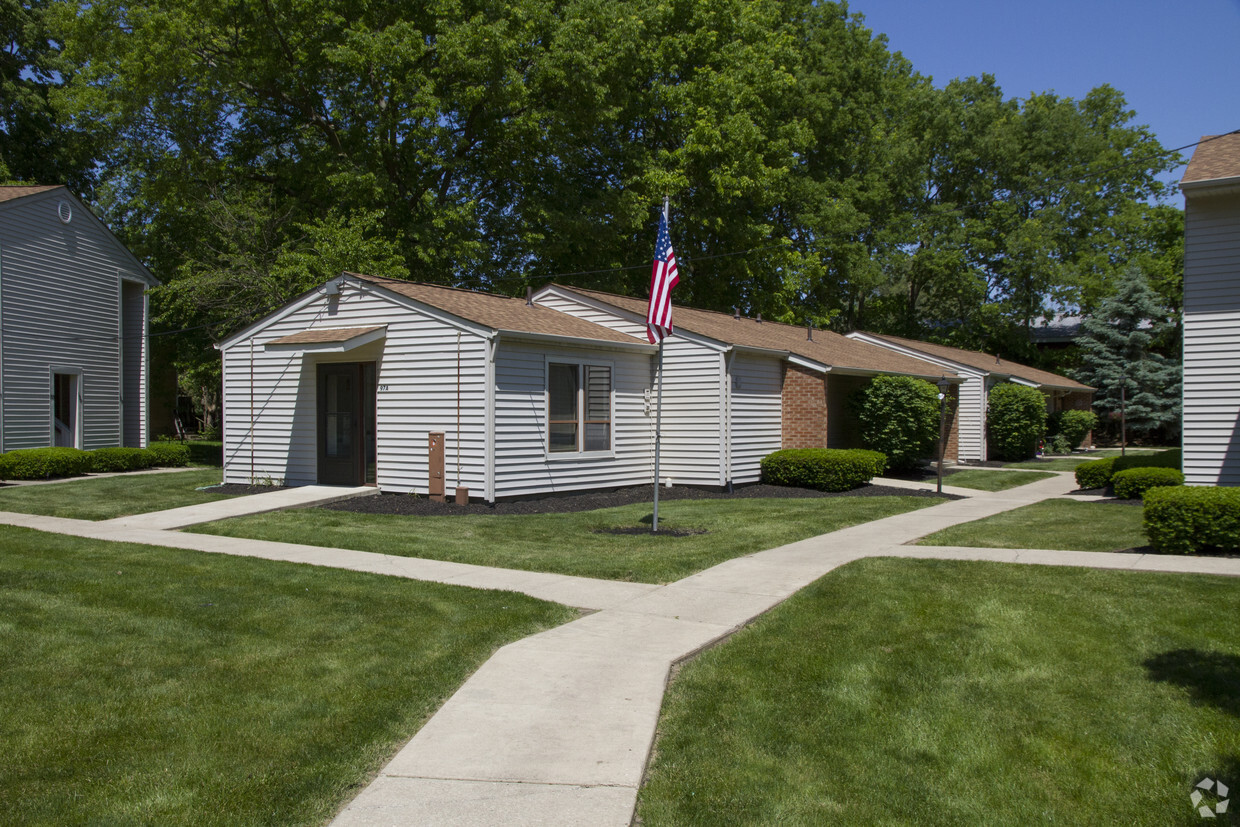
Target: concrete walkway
(557, 728)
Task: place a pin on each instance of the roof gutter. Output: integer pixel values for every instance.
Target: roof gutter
(636, 344)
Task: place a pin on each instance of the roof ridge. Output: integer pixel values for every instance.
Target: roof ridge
(467, 290)
(697, 309)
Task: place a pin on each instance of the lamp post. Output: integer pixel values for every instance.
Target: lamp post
(943, 384)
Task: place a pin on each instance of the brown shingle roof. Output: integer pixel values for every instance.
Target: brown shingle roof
(826, 347)
(1216, 158)
(12, 193)
(500, 312)
(986, 362)
(321, 336)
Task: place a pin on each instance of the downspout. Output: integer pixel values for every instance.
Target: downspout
(252, 477)
(492, 344)
(144, 435)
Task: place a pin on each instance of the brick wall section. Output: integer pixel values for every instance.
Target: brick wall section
(804, 408)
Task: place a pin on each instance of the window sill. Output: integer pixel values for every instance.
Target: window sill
(578, 456)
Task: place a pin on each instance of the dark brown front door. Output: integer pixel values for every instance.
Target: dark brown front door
(346, 423)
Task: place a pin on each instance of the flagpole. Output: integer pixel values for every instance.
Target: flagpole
(659, 409)
(658, 437)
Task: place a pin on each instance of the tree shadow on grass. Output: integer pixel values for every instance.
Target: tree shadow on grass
(1210, 677)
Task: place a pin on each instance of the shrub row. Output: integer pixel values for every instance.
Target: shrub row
(1066, 430)
(1188, 520)
(823, 469)
(1097, 473)
(45, 463)
(1134, 482)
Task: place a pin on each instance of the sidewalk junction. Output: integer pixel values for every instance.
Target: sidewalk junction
(557, 728)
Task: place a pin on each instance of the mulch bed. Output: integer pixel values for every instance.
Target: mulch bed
(411, 505)
(237, 490)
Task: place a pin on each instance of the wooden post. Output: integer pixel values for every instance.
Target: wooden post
(434, 455)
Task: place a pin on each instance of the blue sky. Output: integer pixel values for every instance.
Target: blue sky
(1178, 64)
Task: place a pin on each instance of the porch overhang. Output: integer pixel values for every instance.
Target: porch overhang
(327, 340)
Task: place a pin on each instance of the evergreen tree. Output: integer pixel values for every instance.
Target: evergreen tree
(1119, 357)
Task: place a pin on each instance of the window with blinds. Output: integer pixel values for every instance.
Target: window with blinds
(578, 407)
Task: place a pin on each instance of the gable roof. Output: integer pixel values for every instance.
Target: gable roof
(501, 313)
(987, 363)
(826, 348)
(1216, 160)
(13, 192)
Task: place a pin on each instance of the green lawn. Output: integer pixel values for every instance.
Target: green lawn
(1070, 463)
(570, 543)
(986, 480)
(107, 497)
(141, 685)
(1052, 524)
(938, 692)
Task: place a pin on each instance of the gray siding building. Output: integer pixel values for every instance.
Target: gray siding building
(1211, 187)
(74, 345)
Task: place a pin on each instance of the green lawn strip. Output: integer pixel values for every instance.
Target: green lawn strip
(943, 692)
(142, 685)
(571, 543)
(107, 497)
(1052, 524)
(1070, 463)
(987, 480)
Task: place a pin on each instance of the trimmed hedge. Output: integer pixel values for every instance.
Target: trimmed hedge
(44, 463)
(898, 416)
(104, 460)
(1134, 482)
(169, 454)
(1015, 421)
(1095, 473)
(823, 469)
(1068, 429)
(1166, 459)
(1184, 520)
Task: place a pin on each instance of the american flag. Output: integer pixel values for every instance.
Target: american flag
(663, 277)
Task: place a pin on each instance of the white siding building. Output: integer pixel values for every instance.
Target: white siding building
(1211, 187)
(352, 383)
(73, 326)
(981, 372)
(738, 389)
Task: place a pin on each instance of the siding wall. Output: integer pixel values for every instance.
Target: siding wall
(523, 465)
(757, 420)
(134, 359)
(59, 309)
(1212, 340)
(694, 445)
(971, 417)
(418, 390)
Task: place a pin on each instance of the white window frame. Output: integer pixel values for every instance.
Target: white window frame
(580, 364)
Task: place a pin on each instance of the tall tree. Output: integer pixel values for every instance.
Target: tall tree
(1119, 345)
(36, 144)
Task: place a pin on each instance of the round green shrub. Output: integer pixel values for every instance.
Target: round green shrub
(898, 416)
(823, 469)
(105, 460)
(1134, 482)
(1187, 520)
(1015, 421)
(169, 454)
(1095, 473)
(1073, 426)
(44, 463)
